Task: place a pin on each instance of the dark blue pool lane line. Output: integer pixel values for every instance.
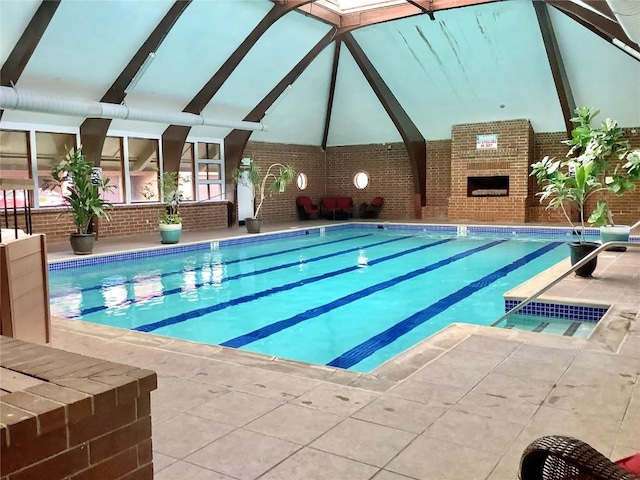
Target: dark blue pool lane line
(369, 347)
(229, 262)
(278, 326)
(255, 296)
(173, 291)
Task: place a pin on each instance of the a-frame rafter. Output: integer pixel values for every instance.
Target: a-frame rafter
(332, 89)
(415, 143)
(560, 79)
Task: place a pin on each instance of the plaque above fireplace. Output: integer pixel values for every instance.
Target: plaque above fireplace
(495, 186)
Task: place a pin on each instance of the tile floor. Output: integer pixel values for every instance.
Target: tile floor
(462, 405)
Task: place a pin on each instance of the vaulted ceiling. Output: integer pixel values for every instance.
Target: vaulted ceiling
(330, 72)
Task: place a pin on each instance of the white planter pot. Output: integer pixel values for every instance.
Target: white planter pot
(615, 233)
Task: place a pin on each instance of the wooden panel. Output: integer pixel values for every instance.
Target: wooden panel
(24, 292)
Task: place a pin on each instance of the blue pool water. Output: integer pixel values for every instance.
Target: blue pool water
(350, 298)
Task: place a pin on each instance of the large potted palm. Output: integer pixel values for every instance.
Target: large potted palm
(569, 184)
(275, 180)
(83, 189)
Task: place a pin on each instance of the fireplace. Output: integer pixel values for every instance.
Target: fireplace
(495, 186)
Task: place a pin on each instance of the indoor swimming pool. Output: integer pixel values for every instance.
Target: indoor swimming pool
(346, 297)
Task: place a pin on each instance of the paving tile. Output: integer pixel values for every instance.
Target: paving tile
(161, 461)
(364, 442)
(228, 375)
(490, 406)
(601, 400)
(429, 393)
(279, 386)
(336, 399)
(180, 394)
(514, 388)
(188, 471)
(620, 452)
(243, 454)
(517, 367)
(541, 354)
(616, 364)
(400, 413)
(430, 459)
(578, 376)
(486, 344)
(310, 464)
(387, 475)
(449, 375)
(160, 414)
(629, 435)
(490, 435)
(183, 434)
(462, 358)
(235, 408)
(295, 424)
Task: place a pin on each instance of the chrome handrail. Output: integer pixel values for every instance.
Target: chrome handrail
(573, 268)
(637, 224)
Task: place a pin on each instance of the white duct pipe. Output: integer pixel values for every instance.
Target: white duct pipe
(25, 100)
(627, 12)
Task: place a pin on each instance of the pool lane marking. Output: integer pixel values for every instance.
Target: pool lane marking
(195, 286)
(255, 296)
(367, 348)
(229, 262)
(273, 328)
(573, 328)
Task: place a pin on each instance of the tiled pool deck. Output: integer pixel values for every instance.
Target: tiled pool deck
(462, 405)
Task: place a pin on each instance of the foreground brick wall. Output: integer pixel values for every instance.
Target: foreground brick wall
(86, 419)
(126, 220)
(511, 158)
(305, 159)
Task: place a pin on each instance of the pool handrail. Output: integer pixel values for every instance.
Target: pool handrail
(570, 270)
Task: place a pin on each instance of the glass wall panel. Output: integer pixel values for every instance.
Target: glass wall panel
(143, 168)
(112, 162)
(210, 191)
(209, 171)
(187, 184)
(210, 151)
(50, 149)
(14, 154)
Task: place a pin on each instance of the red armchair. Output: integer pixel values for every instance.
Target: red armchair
(306, 208)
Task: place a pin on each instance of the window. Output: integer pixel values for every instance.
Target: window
(302, 181)
(361, 180)
(143, 168)
(111, 163)
(50, 149)
(209, 170)
(187, 185)
(14, 154)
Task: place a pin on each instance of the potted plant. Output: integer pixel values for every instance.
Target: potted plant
(169, 220)
(83, 188)
(571, 182)
(275, 179)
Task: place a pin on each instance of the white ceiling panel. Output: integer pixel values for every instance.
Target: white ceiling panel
(601, 75)
(298, 116)
(271, 58)
(14, 18)
(463, 66)
(358, 117)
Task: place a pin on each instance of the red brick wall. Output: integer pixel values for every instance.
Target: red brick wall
(511, 158)
(389, 176)
(126, 220)
(305, 159)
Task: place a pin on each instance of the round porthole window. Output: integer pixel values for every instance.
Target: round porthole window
(302, 181)
(361, 180)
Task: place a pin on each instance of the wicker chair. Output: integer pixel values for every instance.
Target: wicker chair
(565, 458)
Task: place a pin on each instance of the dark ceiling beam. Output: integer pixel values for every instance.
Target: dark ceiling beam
(22, 51)
(603, 27)
(93, 131)
(236, 141)
(602, 7)
(332, 89)
(415, 143)
(563, 87)
(175, 136)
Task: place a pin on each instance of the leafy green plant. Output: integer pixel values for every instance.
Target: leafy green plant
(171, 197)
(275, 180)
(82, 190)
(586, 171)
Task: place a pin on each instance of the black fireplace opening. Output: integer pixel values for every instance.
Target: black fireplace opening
(496, 186)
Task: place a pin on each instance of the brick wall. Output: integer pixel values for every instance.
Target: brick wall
(305, 159)
(438, 179)
(74, 417)
(126, 220)
(511, 158)
(389, 176)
